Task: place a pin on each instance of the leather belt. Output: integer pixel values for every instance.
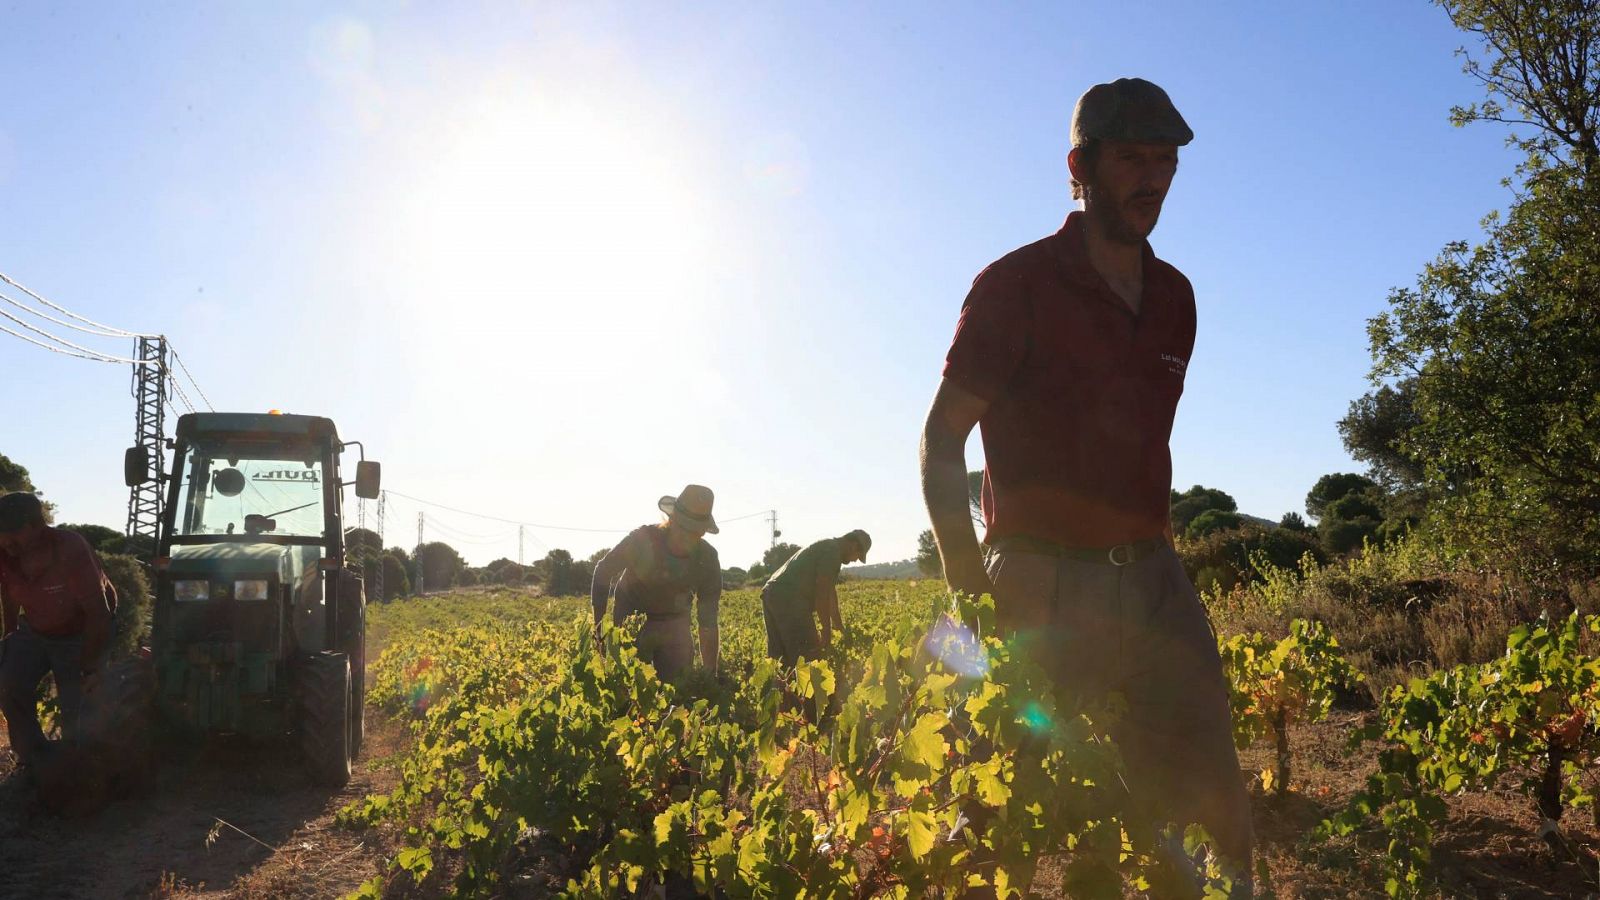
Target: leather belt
(1120, 555)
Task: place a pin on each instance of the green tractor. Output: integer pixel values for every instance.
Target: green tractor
(259, 629)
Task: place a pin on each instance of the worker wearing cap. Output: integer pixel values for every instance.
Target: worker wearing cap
(58, 613)
(662, 570)
(1070, 355)
(802, 591)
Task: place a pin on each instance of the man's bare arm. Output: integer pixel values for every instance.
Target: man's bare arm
(944, 484)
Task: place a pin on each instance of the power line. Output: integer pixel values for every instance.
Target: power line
(82, 352)
(49, 318)
(467, 512)
(91, 356)
(178, 389)
(106, 330)
(196, 384)
(510, 521)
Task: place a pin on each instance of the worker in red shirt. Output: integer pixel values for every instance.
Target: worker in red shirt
(1069, 356)
(58, 613)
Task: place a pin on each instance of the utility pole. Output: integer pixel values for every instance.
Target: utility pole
(519, 545)
(377, 569)
(149, 431)
(772, 517)
(422, 572)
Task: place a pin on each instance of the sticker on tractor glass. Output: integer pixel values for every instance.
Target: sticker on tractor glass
(303, 476)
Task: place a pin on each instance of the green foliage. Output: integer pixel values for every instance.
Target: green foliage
(101, 538)
(1543, 70)
(441, 565)
(1334, 487)
(1188, 505)
(1375, 429)
(541, 738)
(1527, 717)
(778, 554)
(1499, 339)
(1222, 560)
(1274, 684)
(1294, 522)
(975, 498)
(14, 477)
(1213, 520)
(928, 560)
(362, 545)
(134, 601)
(396, 577)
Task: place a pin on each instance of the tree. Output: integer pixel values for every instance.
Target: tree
(13, 477)
(1196, 500)
(734, 577)
(101, 538)
(777, 555)
(975, 498)
(1501, 338)
(1293, 521)
(928, 555)
(396, 578)
(1212, 520)
(555, 570)
(441, 565)
(362, 545)
(1332, 487)
(1375, 431)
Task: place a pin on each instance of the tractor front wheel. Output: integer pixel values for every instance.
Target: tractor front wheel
(323, 699)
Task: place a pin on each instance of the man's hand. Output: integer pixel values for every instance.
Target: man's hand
(975, 582)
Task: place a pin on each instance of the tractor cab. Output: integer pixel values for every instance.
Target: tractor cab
(259, 627)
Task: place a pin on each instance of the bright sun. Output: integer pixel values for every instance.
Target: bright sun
(554, 218)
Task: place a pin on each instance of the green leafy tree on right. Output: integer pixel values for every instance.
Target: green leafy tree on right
(1485, 370)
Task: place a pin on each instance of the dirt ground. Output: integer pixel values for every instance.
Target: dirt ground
(1489, 849)
(235, 821)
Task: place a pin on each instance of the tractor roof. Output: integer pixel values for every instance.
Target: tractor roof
(215, 424)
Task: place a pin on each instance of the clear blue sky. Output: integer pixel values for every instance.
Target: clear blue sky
(550, 262)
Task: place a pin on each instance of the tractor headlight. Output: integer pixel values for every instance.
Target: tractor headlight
(191, 589)
(253, 589)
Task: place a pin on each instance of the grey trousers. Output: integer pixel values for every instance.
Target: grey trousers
(668, 644)
(1139, 631)
(790, 634)
(25, 659)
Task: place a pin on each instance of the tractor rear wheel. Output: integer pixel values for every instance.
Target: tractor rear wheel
(354, 644)
(323, 700)
(119, 719)
(352, 641)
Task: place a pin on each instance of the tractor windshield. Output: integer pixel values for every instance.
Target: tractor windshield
(242, 488)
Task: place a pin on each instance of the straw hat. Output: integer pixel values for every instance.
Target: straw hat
(691, 508)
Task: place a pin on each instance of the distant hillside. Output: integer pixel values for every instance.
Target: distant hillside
(905, 568)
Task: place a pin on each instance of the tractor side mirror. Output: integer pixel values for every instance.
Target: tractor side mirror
(136, 466)
(369, 475)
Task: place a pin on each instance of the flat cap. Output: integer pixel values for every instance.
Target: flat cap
(18, 510)
(1128, 109)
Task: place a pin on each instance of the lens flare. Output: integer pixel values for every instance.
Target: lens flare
(958, 649)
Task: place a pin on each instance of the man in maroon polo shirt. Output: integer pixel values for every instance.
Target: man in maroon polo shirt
(58, 612)
(1070, 356)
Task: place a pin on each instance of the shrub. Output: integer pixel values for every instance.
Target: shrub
(133, 602)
